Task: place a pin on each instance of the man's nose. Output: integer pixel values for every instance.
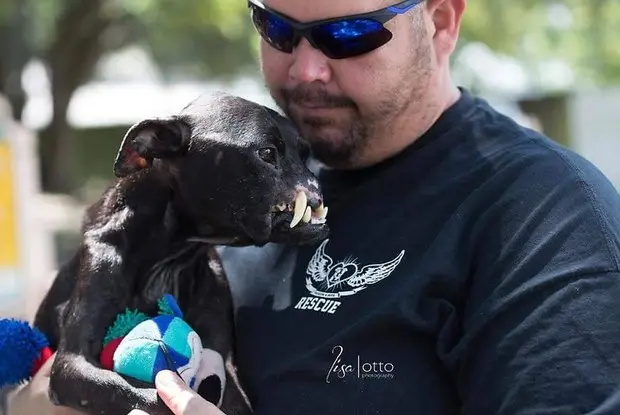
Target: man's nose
(309, 64)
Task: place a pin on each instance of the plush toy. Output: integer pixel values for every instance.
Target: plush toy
(139, 346)
(136, 346)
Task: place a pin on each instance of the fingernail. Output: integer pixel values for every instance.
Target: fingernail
(167, 378)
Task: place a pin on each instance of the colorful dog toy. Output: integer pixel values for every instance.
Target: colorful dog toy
(139, 346)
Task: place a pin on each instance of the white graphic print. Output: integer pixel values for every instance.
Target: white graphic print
(328, 279)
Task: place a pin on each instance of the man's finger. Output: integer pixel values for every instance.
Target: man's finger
(180, 398)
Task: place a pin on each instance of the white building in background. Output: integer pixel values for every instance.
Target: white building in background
(594, 120)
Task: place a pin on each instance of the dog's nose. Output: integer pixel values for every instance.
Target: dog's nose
(314, 200)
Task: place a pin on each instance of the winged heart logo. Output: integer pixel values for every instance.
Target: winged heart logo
(330, 279)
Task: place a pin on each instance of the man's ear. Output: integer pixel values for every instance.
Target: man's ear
(151, 139)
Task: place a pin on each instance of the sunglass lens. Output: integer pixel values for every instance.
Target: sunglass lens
(273, 29)
(349, 38)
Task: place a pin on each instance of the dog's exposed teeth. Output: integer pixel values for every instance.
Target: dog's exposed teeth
(307, 215)
(301, 202)
(319, 215)
(302, 211)
(323, 215)
(321, 212)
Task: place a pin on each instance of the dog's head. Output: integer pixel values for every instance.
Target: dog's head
(237, 170)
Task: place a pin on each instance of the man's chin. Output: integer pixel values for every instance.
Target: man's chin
(329, 136)
(323, 115)
(324, 136)
(331, 153)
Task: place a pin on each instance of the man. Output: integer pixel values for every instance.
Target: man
(473, 265)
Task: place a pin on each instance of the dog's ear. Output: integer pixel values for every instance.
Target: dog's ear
(151, 139)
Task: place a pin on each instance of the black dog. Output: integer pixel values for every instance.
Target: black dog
(224, 171)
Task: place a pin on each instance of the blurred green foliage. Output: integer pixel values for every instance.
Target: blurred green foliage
(196, 38)
(584, 33)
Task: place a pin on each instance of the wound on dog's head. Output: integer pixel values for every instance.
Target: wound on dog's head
(150, 139)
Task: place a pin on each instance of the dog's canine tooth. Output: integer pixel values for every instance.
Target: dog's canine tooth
(301, 201)
(307, 215)
(319, 211)
(324, 213)
(281, 207)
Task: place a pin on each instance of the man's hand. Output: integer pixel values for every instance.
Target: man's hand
(179, 397)
(34, 399)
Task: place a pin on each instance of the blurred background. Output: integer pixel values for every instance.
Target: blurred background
(75, 74)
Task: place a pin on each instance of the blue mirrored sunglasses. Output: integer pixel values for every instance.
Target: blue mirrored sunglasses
(338, 38)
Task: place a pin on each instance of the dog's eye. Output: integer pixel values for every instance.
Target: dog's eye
(268, 155)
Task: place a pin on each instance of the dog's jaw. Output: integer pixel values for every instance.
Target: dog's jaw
(300, 220)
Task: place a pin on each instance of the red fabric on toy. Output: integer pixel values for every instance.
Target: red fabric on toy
(106, 358)
(45, 354)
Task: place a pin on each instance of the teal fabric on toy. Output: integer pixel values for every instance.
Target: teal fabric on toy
(163, 342)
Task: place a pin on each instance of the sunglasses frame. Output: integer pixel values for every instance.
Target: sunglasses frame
(304, 29)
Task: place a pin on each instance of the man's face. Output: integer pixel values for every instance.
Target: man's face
(343, 107)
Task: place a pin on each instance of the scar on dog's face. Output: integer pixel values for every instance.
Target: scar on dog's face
(237, 169)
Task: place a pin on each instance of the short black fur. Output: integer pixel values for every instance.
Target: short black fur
(211, 174)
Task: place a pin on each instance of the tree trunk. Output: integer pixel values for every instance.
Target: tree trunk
(80, 40)
(56, 146)
(14, 55)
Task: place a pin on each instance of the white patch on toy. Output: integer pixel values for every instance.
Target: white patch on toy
(211, 363)
(188, 372)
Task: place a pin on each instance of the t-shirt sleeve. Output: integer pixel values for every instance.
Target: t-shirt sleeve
(541, 332)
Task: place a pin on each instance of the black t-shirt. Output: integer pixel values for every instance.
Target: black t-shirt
(475, 273)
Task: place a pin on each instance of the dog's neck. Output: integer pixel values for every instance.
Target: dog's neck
(182, 258)
(175, 273)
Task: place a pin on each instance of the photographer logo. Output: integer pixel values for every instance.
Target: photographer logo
(360, 368)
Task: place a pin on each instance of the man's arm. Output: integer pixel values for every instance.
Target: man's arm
(552, 347)
(541, 333)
